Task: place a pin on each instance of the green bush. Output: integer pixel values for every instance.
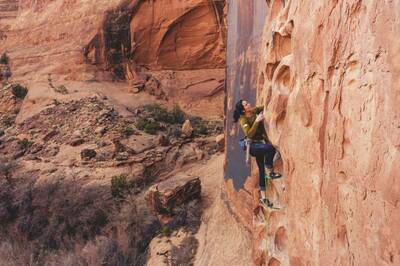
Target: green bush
(7, 167)
(177, 115)
(4, 59)
(19, 91)
(199, 127)
(158, 113)
(147, 125)
(24, 144)
(8, 121)
(118, 186)
(61, 89)
(141, 123)
(151, 128)
(201, 130)
(127, 131)
(154, 115)
(161, 114)
(165, 231)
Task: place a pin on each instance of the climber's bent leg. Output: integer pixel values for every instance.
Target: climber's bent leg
(257, 150)
(269, 156)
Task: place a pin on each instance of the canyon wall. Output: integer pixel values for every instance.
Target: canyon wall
(329, 80)
(331, 86)
(179, 47)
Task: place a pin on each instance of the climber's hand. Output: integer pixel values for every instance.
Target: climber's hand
(260, 117)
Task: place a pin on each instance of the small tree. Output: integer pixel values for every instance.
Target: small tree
(25, 144)
(7, 167)
(118, 186)
(4, 59)
(19, 91)
(178, 116)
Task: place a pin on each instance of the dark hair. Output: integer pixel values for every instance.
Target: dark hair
(239, 110)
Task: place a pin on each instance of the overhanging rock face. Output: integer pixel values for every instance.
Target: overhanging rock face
(331, 79)
(246, 21)
(328, 76)
(245, 27)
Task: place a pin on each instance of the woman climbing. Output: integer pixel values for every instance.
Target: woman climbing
(260, 147)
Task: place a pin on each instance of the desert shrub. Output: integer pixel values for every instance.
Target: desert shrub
(118, 186)
(151, 128)
(147, 125)
(4, 59)
(24, 144)
(7, 167)
(199, 126)
(161, 114)
(111, 254)
(141, 123)
(177, 115)
(158, 113)
(155, 117)
(19, 91)
(99, 220)
(5, 73)
(200, 130)
(61, 89)
(8, 121)
(165, 231)
(127, 131)
(119, 72)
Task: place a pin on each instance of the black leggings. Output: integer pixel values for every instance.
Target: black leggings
(264, 154)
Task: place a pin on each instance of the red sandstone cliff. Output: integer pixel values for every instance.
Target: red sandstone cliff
(178, 46)
(329, 78)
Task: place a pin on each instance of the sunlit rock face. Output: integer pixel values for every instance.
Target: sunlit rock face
(330, 84)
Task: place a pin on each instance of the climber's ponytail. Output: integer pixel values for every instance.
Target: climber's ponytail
(239, 110)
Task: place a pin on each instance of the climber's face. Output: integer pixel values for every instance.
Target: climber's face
(246, 106)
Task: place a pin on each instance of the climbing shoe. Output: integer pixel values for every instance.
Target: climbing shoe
(265, 202)
(274, 175)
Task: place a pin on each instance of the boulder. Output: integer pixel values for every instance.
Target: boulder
(121, 156)
(163, 198)
(162, 140)
(187, 128)
(50, 135)
(220, 139)
(100, 130)
(87, 154)
(76, 142)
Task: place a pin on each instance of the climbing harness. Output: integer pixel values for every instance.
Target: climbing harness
(245, 146)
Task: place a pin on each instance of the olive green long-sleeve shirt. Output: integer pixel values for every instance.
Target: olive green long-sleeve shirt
(252, 129)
